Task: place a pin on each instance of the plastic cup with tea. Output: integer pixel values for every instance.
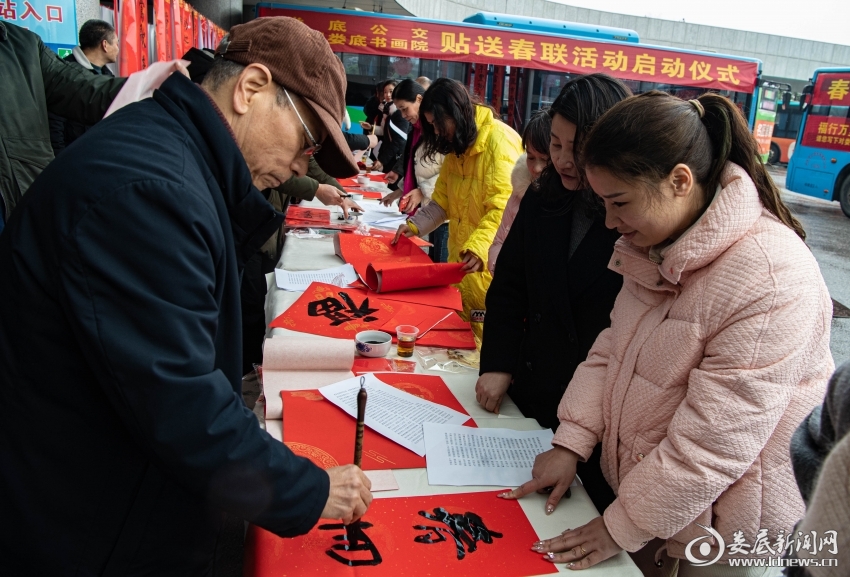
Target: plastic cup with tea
(406, 335)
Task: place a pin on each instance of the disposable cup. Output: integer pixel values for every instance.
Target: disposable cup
(406, 335)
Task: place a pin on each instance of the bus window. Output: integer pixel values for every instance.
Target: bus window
(839, 112)
(400, 68)
(361, 65)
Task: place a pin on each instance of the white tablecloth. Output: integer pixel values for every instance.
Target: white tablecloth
(312, 254)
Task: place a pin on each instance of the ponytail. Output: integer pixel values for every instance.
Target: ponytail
(644, 137)
(732, 141)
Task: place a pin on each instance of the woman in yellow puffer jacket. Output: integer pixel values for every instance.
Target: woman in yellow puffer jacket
(473, 187)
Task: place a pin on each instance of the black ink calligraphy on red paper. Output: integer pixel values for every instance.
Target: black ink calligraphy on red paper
(338, 313)
(354, 540)
(466, 530)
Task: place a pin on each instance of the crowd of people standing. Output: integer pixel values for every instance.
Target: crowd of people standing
(633, 278)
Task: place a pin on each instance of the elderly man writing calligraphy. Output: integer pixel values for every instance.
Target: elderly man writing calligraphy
(123, 436)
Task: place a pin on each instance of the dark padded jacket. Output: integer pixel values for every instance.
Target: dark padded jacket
(545, 310)
(33, 81)
(63, 131)
(123, 434)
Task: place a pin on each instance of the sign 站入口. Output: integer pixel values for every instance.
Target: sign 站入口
(55, 21)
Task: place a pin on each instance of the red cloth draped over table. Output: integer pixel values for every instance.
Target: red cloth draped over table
(398, 539)
(330, 445)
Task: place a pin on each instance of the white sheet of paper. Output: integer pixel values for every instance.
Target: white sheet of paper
(461, 456)
(299, 280)
(395, 414)
(391, 223)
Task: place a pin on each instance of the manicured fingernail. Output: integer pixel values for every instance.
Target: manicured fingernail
(570, 565)
(550, 509)
(537, 546)
(503, 495)
(550, 555)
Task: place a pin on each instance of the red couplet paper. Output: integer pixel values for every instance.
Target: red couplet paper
(317, 215)
(446, 297)
(391, 234)
(391, 276)
(453, 323)
(448, 339)
(398, 540)
(315, 428)
(298, 216)
(373, 194)
(338, 312)
(363, 365)
(360, 251)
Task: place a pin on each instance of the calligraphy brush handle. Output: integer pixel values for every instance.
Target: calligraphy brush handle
(361, 417)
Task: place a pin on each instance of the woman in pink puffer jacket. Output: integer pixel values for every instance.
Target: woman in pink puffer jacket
(718, 346)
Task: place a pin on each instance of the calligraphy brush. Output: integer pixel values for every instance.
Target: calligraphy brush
(351, 530)
(361, 417)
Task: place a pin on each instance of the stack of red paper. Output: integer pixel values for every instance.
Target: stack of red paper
(404, 287)
(305, 217)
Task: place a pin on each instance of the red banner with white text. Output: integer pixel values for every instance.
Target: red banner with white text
(372, 34)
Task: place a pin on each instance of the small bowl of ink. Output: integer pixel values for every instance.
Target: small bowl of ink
(373, 343)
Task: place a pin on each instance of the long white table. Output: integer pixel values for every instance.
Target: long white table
(311, 254)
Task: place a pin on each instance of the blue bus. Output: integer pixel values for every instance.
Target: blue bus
(820, 165)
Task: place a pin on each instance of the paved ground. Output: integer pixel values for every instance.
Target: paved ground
(828, 233)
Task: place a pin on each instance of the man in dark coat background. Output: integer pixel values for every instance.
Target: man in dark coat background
(33, 81)
(123, 436)
(98, 47)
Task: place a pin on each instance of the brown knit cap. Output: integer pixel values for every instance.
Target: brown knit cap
(300, 60)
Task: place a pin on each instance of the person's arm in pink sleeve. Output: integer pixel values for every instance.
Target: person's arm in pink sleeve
(504, 228)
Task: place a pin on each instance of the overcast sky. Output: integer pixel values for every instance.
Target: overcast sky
(822, 20)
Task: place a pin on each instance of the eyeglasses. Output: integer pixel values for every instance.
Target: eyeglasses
(315, 146)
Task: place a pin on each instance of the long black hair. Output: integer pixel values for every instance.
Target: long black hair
(643, 138)
(582, 101)
(448, 100)
(408, 90)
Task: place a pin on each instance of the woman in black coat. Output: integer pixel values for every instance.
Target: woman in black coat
(552, 292)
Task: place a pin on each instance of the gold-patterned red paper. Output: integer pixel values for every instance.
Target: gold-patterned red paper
(331, 445)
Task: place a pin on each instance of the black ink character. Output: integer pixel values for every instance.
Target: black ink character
(356, 540)
(337, 313)
(466, 530)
